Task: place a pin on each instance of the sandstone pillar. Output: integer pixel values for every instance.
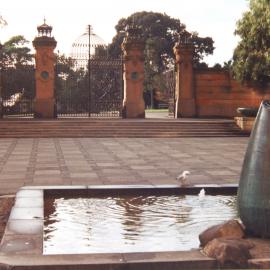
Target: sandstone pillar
(44, 103)
(184, 90)
(133, 53)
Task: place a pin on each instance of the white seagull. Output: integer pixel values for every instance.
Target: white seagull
(182, 178)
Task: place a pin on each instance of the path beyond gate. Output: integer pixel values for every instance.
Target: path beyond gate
(89, 88)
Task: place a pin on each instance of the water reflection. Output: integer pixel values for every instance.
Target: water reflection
(131, 224)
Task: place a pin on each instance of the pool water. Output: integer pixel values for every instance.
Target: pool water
(131, 223)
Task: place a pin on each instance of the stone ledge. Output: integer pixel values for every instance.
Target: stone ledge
(259, 263)
(118, 261)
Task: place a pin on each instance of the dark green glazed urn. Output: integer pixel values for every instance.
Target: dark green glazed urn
(254, 185)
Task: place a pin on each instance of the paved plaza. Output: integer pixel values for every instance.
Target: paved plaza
(88, 161)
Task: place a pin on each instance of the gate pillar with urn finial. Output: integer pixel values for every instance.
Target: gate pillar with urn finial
(133, 50)
(184, 89)
(44, 43)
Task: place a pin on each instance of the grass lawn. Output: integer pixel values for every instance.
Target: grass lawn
(156, 110)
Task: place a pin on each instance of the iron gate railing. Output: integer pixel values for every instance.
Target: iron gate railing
(89, 88)
(169, 84)
(17, 90)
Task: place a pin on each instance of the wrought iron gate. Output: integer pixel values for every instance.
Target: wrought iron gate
(89, 88)
(169, 81)
(17, 90)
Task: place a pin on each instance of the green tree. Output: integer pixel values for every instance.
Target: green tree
(160, 33)
(252, 55)
(217, 66)
(228, 65)
(16, 53)
(17, 68)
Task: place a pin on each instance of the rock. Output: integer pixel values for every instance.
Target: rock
(229, 252)
(231, 229)
(259, 263)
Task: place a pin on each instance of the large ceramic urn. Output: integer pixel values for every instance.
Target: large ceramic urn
(254, 185)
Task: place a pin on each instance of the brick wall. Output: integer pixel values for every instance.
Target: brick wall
(217, 95)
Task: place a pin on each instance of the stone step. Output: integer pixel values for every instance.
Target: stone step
(157, 127)
(117, 128)
(117, 136)
(121, 132)
(90, 128)
(114, 122)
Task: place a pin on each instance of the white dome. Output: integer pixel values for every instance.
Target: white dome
(80, 47)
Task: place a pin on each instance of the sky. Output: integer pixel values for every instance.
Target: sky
(214, 18)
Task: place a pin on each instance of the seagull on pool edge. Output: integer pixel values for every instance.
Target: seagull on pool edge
(182, 178)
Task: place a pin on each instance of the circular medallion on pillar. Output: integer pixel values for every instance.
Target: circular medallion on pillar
(44, 75)
(134, 76)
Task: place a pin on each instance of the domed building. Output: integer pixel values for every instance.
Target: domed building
(80, 47)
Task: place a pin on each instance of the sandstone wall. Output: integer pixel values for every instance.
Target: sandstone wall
(217, 95)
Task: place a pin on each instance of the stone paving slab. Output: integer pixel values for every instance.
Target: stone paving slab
(92, 161)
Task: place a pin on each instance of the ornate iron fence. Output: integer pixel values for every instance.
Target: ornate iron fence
(89, 88)
(168, 78)
(17, 90)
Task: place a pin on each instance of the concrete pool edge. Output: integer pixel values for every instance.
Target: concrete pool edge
(22, 243)
(161, 261)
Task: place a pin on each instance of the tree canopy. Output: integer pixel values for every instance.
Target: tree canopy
(15, 52)
(16, 62)
(160, 32)
(252, 54)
